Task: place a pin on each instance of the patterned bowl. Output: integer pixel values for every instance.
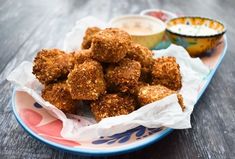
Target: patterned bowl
(196, 44)
(142, 23)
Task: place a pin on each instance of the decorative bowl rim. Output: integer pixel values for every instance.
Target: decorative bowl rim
(196, 36)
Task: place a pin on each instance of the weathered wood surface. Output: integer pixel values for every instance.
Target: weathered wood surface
(27, 26)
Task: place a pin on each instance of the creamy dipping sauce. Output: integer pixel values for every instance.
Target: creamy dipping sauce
(139, 26)
(193, 30)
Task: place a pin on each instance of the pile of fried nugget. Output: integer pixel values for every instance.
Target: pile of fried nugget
(112, 73)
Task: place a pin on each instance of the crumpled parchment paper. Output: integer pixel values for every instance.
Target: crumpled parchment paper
(166, 112)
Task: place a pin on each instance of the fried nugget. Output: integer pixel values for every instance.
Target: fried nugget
(149, 94)
(110, 45)
(141, 54)
(58, 94)
(51, 65)
(90, 32)
(145, 75)
(86, 81)
(124, 74)
(110, 105)
(81, 56)
(135, 89)
(166, 72)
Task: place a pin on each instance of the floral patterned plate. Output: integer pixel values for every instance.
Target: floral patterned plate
(42, 126)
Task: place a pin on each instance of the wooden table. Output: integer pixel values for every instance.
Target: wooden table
(26, 26)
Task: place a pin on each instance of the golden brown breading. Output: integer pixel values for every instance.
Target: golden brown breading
(82, 56)
(90, 32)
(141, 54)
(145, 57)
(86, 81)
(145, 75)
(124, 74)
(135, 90)
(59, 95)
(149, 94)
(50, 65)
(181, 101)
(110, 45)
(166, 72)
(110, 105)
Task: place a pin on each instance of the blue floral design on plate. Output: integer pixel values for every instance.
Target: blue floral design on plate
(139, 132)
(37, 105)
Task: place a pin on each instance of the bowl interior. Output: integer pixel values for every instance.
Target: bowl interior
(158, 13)
(139, 25)
(217, 26)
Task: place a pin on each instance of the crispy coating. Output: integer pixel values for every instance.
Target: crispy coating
(90, 32)
(145, 75)
(181, 101)
(166, 72)
(110, 45)
(141, 54)
(58, 94)
(149, 94)
(86, 81)
(51, 65)
(110, 105)
(81, 56)
(145, 57)
(135, 90)
(124, 74)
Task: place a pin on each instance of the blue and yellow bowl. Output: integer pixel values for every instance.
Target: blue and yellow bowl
(196, 45)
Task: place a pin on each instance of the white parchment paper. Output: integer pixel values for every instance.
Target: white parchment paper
(166, 112)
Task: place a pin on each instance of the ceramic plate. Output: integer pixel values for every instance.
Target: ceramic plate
(42, 126)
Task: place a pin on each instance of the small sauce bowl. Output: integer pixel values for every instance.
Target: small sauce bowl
(145, 30)
(196, 34)
(159, 13)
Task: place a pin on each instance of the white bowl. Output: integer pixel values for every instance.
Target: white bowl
(145, 30)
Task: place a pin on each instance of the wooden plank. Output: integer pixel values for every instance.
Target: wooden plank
(18, 23)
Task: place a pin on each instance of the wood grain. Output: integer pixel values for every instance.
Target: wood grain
(27, 26)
